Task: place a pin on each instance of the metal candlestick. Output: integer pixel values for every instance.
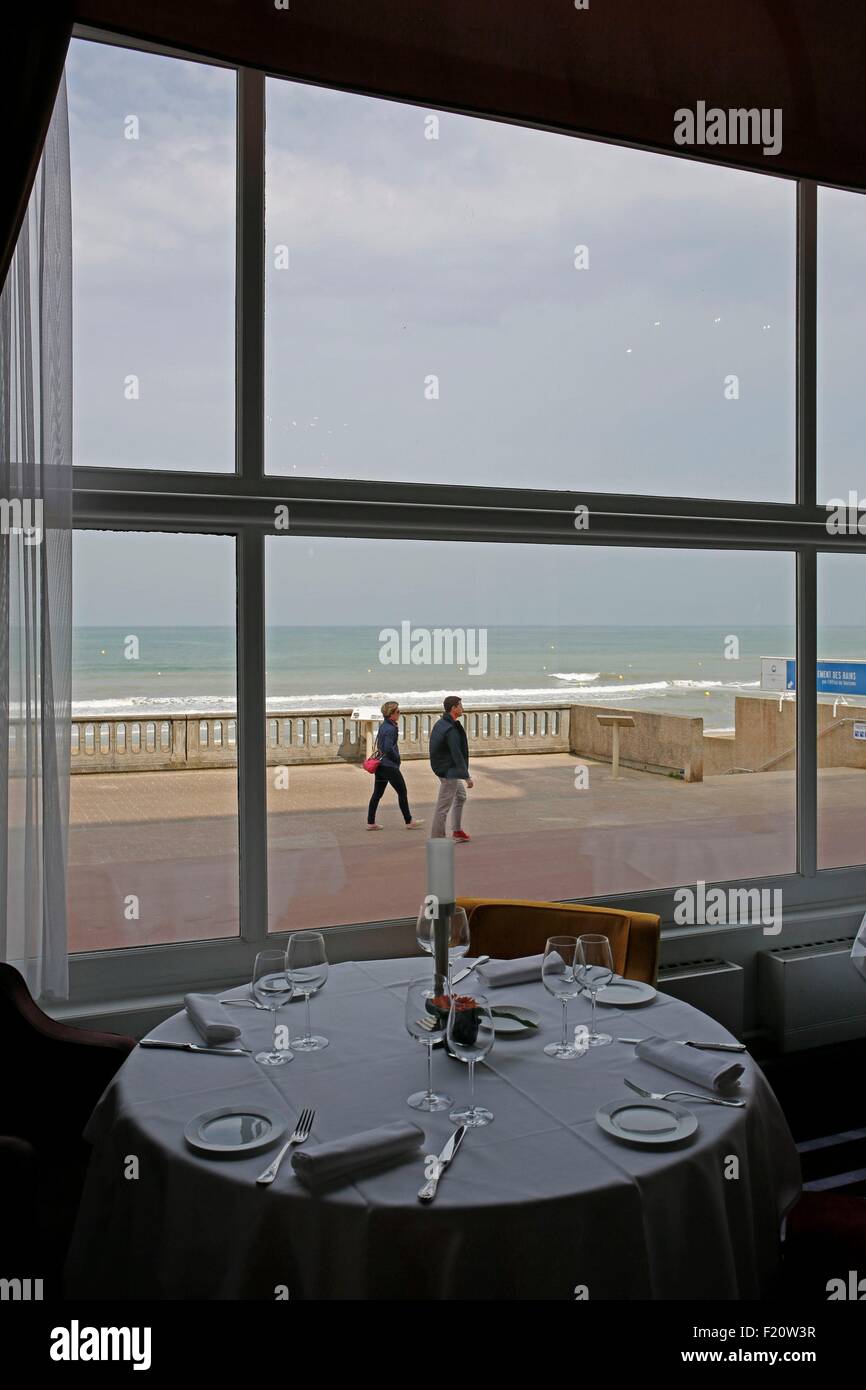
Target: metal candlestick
(441, 938)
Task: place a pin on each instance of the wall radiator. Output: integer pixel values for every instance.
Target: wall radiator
(811, 994)
(712, 985)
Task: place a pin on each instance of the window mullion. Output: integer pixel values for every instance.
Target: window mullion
(807, 713)
(807, 334)
(807, 564)
(249, 340)
(252, 772)
(250, 276)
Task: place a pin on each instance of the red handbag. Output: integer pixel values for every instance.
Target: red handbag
(371, 764)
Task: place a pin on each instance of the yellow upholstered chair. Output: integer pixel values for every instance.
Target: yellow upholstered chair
(506, 928)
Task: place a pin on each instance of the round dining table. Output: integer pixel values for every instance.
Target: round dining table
(540, 1204)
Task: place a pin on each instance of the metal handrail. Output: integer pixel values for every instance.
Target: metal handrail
(779, 757)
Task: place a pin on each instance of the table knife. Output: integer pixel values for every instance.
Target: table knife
(195, 1047)
(428, 1191)
(461, 974)
(701, 1046)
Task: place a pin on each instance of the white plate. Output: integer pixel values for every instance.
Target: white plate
(515, 1020)
(626, 994)
(233, 1133)
(646, 1121)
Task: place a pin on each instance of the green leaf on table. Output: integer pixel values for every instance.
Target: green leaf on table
(517, 1018)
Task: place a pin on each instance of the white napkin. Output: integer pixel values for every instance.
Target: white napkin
(344, 1157)
(522, 971)
(210, 1018)
(716, 1070)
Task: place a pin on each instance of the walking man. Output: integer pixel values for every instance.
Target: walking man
(449, 759)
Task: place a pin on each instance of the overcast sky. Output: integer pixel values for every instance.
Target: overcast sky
(452, 258)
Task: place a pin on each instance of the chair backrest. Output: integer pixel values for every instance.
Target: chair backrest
(506, 928)
(54, 1073)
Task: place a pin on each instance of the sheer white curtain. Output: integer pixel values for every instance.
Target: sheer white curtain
(36, 575)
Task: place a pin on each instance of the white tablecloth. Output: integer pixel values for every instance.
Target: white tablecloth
(538, 1204)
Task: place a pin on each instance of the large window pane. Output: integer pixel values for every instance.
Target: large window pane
(841, 711)
(427, 319)
(841, 398)
(153, 843)
(152, 145)
(539, 642)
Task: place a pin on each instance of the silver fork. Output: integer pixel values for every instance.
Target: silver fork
(301, 1133)
(690, 1095)
(428, 1024)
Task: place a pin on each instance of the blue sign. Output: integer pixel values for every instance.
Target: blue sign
(833, 677)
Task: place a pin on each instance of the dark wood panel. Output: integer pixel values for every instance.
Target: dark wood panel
(619, 69)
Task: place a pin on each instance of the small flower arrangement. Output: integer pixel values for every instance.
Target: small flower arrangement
(467, 1020)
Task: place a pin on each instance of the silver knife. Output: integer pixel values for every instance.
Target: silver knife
(461, 974)
(701, 1046)
(196, 1047)
(428, 1191)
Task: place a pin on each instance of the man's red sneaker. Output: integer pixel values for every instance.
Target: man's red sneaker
(460, 835)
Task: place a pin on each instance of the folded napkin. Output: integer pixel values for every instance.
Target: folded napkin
(210, 1018)
(343, 1157)
(511, 972)
(715, 1070)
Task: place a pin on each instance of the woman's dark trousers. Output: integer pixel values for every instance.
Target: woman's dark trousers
(384, 775)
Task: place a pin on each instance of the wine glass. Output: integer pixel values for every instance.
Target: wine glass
(458, 935)
(470, 1038)
(458, 938)
(271, 987)
(427, 1020)
(307, 968)
(595, 968)
(558, 975)
(424, 928)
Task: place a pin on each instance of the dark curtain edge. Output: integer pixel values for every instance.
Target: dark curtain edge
(31, 70)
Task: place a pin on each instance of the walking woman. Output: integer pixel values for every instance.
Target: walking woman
(388, 771)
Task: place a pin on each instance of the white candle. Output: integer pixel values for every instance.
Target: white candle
(440, 870)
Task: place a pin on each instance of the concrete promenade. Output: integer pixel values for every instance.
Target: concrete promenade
(170, 839)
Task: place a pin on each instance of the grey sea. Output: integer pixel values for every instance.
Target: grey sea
(676, 670)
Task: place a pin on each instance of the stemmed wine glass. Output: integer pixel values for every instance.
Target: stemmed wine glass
(271, 987)
(470, 1038)
(458, 936)
(307, 968)
(427, 1020)
(424, 930)
(458, 939)
(558, 975)
(595, 968)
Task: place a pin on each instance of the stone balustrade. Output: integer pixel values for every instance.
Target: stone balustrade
(166, 743)
(669, 744)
